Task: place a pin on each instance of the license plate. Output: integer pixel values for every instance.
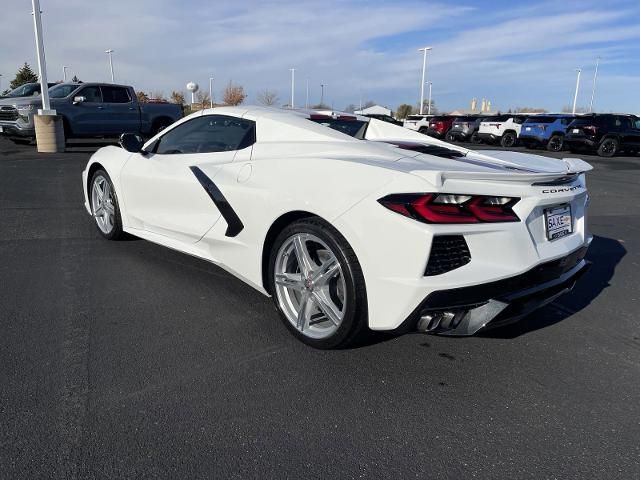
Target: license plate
(1, 130)
(559, 221)
(575, 130)
(528, 129)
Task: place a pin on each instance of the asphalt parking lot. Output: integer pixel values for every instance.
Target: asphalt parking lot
(129, 360)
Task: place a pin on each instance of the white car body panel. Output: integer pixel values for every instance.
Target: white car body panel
(298, 166)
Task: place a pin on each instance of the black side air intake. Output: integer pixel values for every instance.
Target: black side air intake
(448, 252)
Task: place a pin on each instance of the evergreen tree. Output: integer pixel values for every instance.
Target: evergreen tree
(24, 75)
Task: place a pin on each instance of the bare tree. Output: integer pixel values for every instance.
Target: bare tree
(142, 97)
(368, 103)
(529, 110)
(234, 94)
(177, 97)
(203, 98)
(267, 97)
(350, 108)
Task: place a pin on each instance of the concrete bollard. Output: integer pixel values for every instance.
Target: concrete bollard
(49, 133)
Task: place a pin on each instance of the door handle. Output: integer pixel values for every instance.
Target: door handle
(131, 108)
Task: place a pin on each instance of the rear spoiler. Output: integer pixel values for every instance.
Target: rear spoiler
(575, 168)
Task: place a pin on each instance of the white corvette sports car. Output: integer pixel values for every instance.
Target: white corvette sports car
(347, 232)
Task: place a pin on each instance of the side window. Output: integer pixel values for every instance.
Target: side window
(637, 123)
(115, 95)
(91, 94)
(207, 134)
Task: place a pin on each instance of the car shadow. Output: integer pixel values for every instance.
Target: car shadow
(605, 254)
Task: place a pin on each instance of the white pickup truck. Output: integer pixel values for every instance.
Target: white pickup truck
(503, 129)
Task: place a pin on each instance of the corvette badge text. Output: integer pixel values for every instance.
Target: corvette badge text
(563, 190)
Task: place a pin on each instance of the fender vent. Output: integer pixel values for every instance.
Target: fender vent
(448, 252)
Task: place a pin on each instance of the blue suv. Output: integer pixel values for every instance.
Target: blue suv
(545, 130)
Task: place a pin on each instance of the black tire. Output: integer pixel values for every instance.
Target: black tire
(355, 316)
(116, 233)
(423, 130)
(475, 139)
(449, 137)
(160, 125)
(608, 147)
(555, 143)
(508, 139)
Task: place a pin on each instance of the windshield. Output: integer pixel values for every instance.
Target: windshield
(353, 128)
(62, 90)
(26, 90)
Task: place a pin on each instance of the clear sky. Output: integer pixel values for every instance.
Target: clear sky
(514, 53)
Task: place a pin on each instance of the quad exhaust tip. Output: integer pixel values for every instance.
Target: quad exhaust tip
(444, 320)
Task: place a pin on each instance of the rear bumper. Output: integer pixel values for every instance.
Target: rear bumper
(465, 311)
(435, 133)
(533, 139)
(459, 135)
(490, 137)
(580, 142)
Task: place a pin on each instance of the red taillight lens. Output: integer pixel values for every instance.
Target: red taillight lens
(452, 208)
(590, 130)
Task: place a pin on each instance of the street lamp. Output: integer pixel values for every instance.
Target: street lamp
(0, 83)
(575, 97)
(109, 52)
(593, 91)
(211, 92)
(306, 102)
(293, 83)
(424, 69)
(429, 106)
(322, 85)
(64, 73)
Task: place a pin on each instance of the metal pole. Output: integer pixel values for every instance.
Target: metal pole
(575, 97)
(64, 74)
(42, 63)
(321, 95)
(109, 52)
(306, 103)
(210, 92)
(424, 70)
(293, 82)
(429, 106)
(0, 83)
(593, 91)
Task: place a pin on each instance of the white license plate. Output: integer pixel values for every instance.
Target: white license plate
(528, 129)
(575, 130)
(1, 130)
(559, 221)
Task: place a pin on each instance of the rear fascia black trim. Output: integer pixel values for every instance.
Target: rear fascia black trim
(234, 224)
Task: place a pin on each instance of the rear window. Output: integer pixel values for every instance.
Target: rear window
(465, 119)
(115, 95)
(497, 118)
(541, 119)
(353, 128)
(439, 119)
(415, 117)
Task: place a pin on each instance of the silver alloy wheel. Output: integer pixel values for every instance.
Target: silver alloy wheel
(102, 204)
(310, 286)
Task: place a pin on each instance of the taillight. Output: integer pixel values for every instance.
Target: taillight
(590, 130)
(452, 208)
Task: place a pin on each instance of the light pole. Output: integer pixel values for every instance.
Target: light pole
(424, 69)
(0, 83)
(306, 102)
(322, 85)
(64, 73)
(210, 92)
(593, 91)
(42, 63)
(429, 106)
(293, 85)
(575, 97)
(109, 52)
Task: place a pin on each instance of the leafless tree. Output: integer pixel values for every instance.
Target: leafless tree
(234, 94)
(177, 97)
(267, 97)
(142, 97)
(404, 110)
(158, 95)
(203, 99)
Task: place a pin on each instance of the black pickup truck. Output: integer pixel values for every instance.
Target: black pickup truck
(89, 110)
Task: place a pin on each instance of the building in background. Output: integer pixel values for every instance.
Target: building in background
(374, 110)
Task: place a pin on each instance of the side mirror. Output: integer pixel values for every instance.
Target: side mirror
(131, 142)
(79, 99)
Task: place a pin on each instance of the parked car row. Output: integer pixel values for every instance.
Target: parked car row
(606, 134)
